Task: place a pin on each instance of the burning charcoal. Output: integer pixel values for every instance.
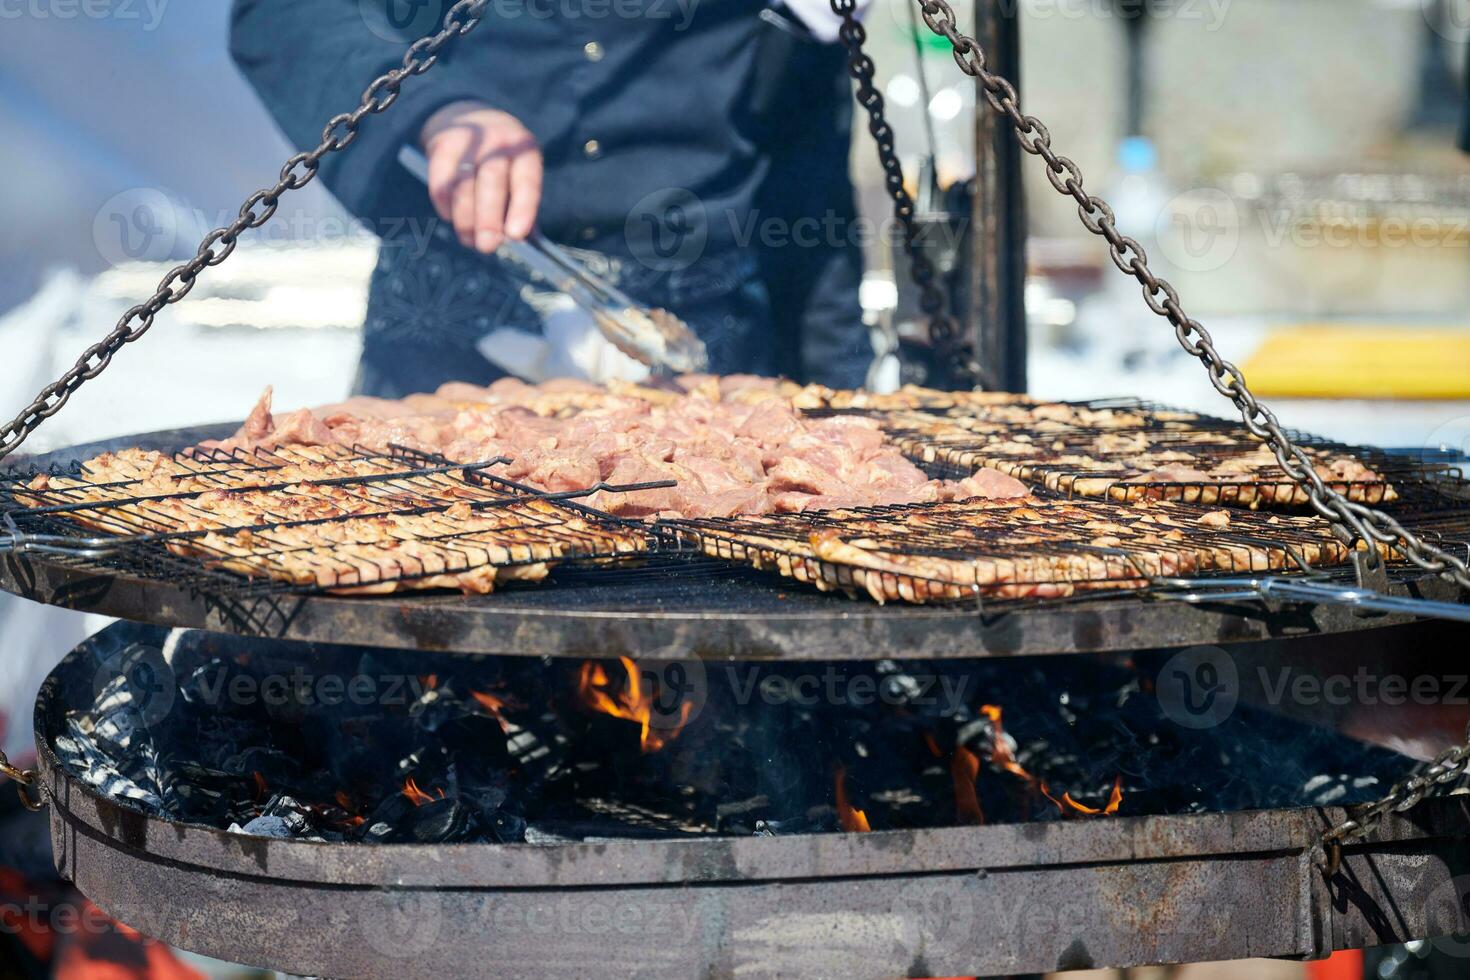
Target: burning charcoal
(217, 687)
(399, 820)
(547, 838)
(283, 817)
(438, 707)
(1331, 790)
(543, 751)
(275, 766)
(383, 826)
(85, 757)
(508, 828)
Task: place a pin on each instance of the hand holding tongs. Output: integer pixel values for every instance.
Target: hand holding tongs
(651, 336)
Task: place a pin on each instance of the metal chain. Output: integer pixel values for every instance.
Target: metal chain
(217, 246)
(23, 778)
(1360, 521)
(1448, 767)
(955, 351)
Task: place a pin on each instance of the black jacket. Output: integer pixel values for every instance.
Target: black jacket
(643, 109)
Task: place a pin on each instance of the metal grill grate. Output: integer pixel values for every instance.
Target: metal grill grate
(1035, 548)
(1127, 450)
(312, 518)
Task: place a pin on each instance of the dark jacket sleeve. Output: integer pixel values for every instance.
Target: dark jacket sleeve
(814, 271)
(310, 60)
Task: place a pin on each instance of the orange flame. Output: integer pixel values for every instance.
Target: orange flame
(965, 768)
(1000, 752)
(495, 706)
(259, 785)
(417, 796)
(628, 701)
(1115, 800)
(849, 818)
(345, 802)
(1002, 756)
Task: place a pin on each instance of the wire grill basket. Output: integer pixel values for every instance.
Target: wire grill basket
(312, 518)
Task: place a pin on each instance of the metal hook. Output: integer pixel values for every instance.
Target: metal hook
(23, 778)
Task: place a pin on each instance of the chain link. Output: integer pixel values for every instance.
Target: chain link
(23, 778)
(258, 209)
(955, 352)
(1448, 767)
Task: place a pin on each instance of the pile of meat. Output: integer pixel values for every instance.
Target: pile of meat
(733, 445)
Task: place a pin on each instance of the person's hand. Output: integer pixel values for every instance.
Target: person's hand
(484, 173)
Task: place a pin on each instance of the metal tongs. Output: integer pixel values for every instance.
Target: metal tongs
(1270, 587)
(653, 337)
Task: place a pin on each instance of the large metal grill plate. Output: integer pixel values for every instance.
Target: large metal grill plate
(668, 612)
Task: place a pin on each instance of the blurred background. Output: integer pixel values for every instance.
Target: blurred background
(1291, 166)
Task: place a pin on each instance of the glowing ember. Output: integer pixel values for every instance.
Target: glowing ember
(1000, 752)
(849, 818)
(965, 768)
(495, 706)
(417, 796)
(345, 802)
(629, 701)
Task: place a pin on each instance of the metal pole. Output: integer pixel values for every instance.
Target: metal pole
(997, 308)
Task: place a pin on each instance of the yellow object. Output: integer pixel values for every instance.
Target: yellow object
(1324, 360)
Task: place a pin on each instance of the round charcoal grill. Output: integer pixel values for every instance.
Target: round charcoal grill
(671, 609)
(939, 901)
(962, 901)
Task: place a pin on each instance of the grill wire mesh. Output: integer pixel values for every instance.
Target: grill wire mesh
(1118, 448)
(1047, 547)
(447, 520)
(311, 519)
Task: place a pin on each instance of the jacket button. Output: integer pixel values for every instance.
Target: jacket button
(593, 51)
(592, 149)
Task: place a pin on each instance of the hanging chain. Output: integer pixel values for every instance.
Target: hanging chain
(955, 352)
(24, 778)
(258, 208)
(1447, 768)
(1358, 521)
